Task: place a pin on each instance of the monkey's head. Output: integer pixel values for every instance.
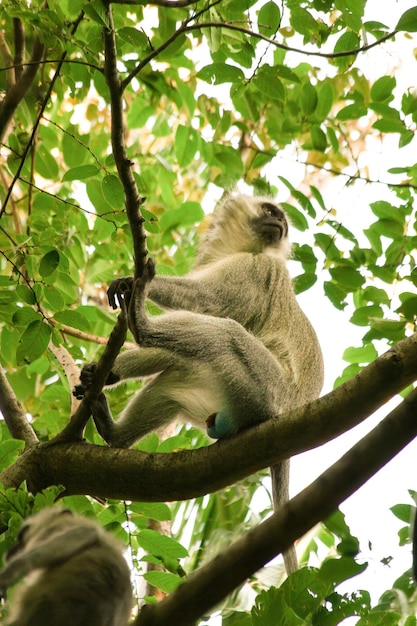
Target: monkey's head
(254, 224)
(39, 527)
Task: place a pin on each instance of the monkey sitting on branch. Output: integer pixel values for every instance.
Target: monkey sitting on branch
(234, 350)
(76, 573)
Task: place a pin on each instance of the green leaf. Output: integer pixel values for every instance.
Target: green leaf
(363, 314)
(24, 293)
(348, 277)
(336, 571)
(389, 125)
(352, 12)
(136, 38)
(73, 318)
(33, 342)
(186, 144)
(49, 263)
(165, 581)
(158, 545)
(382, 88)
(404, 512)
(9, 452)
(318, 138)
(46, 164)
(218, 73)
(325, 97)
(364, 354)
(74, 152)
(268, 83)
(80, 173)
(384, 210)
(309, 98)
(352, 112)
(297, 219)
(188, 213)
(96, 10)
(304, 281)
(408, 21)
(269, 18)
(113, 191)
(347, 42)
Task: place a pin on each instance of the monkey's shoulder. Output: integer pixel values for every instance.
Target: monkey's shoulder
(245, 265)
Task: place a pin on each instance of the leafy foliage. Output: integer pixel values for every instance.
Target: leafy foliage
(214, 97)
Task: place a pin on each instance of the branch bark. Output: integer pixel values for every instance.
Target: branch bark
(17, 91)
(74, 429)
(132, 475)
(14, 414)
(214, 581)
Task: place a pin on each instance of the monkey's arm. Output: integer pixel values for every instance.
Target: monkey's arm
(60, 547)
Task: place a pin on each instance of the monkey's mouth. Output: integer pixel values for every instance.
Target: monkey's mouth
(270, 230)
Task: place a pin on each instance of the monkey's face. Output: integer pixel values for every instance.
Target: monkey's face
(253, 224)
(270, 224)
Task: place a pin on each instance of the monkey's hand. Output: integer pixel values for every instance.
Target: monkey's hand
(119, 292)
(87, 375)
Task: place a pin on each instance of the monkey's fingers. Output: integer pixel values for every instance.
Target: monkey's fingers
(149, 270)
(118, 291)
(79, 392)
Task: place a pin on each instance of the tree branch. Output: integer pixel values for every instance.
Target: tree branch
(17, 91)
(14, 414)
(74, 429)
(124, 166)
(213, 582)
(186, 27)
(133, 475)
(19, 46)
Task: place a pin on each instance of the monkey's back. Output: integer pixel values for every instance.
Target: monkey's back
(256, 290)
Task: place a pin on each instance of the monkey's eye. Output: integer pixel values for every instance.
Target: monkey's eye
(271, 210)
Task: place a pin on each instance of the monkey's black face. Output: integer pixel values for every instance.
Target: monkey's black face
(271, 224)
(19, 544)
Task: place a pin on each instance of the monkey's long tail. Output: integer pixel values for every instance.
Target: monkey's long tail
(280, 476)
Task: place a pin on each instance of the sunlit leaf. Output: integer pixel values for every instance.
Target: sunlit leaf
(33, 342)
(408, 21)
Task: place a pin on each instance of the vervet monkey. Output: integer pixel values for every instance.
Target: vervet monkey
(237, 350)
(76, 573)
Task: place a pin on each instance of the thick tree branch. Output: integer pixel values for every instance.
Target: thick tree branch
(17, 91)
(14, 414)
(214, 581)
(124, 166)
(74, 429)
(132, 475)
(19, 46)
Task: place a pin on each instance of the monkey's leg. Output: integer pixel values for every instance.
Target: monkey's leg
(163, 399)
(248, 375)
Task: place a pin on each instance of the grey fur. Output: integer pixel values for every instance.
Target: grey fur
(76, 573)
(236, 343)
